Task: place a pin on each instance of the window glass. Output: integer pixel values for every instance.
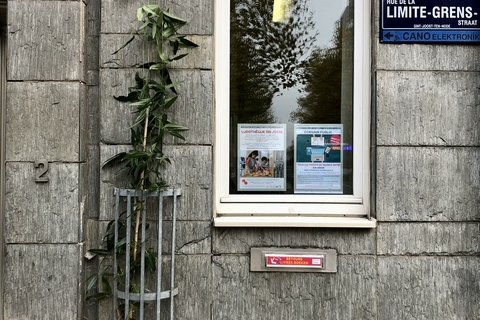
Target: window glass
(291, 97)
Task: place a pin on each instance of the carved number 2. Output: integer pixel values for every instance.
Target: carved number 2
(39, 177)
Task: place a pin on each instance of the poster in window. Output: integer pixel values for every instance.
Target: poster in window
(261, 157)
(318, 158)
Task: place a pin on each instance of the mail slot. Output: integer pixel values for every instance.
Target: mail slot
(293, 260)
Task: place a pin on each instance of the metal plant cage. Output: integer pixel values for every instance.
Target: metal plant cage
(144, 295)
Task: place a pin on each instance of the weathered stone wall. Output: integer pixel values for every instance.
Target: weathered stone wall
(420, 263)
(427, 110)
(45, 119)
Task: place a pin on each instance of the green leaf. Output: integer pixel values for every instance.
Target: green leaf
(157, 66)
(141, 102)
(91, 281)
(139, 169)
(176, 44)
(144, 25)
(132, 36)
(164, 57)
(107, 289)
(149, 9)
(98, 296)
(100, 252)
(121, 243)
(176, 134)
(150, 261)
(139, 81)
(119, 157)
(132, 96)
(173, 84)
(136, 155)
(140, 14)
(154, 30)
(176, 127)
(180, 56)
(169, 102)
(186, 43)
(174, 18)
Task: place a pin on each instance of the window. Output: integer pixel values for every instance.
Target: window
(292, 101)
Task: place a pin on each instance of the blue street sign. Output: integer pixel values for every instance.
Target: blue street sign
(435, 21)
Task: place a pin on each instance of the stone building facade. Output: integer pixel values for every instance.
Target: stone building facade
(420, 262)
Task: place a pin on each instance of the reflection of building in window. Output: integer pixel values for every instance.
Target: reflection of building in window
(299, 71)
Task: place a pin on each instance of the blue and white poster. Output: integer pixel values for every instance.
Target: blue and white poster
(318, 158)
(430, 21)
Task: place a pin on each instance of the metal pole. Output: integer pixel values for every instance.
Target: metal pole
(115, 242)
(172, 266)
(127, 254)
(142, 256)
(159, 253)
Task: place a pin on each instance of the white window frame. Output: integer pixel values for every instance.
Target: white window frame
(294, 210)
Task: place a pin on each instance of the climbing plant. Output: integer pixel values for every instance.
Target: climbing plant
(153, 94)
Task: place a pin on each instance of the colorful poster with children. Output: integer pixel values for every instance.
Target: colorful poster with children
(262, 157)
(318, 158)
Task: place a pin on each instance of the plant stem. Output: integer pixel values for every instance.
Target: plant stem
(142, 179)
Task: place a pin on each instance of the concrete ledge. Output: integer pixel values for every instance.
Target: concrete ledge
(302, 222)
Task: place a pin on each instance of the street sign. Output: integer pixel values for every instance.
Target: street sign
(430, 21)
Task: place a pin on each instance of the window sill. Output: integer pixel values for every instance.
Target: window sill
(297, 221)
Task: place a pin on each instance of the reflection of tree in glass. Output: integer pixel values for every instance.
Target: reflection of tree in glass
(326, 76)
(265, 56)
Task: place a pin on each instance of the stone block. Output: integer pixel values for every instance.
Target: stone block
(38, 44)
(428, 184)
(193, 109)
(109, 180)
(422, 57)
(42, 121)
(241, 294)
(115, 117)
(345, 241)
(93, 55)
(93, 17)
(92, 115)
(192, 237)
(428, 238)
(42, 282)
(192, 277)
(48, 211)
(121, 16)
(190, 171)
(92, 182)
(84, 136)
(428, 108)
(138, 52)
(93, 80)
(428, 288)
(83, 200)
